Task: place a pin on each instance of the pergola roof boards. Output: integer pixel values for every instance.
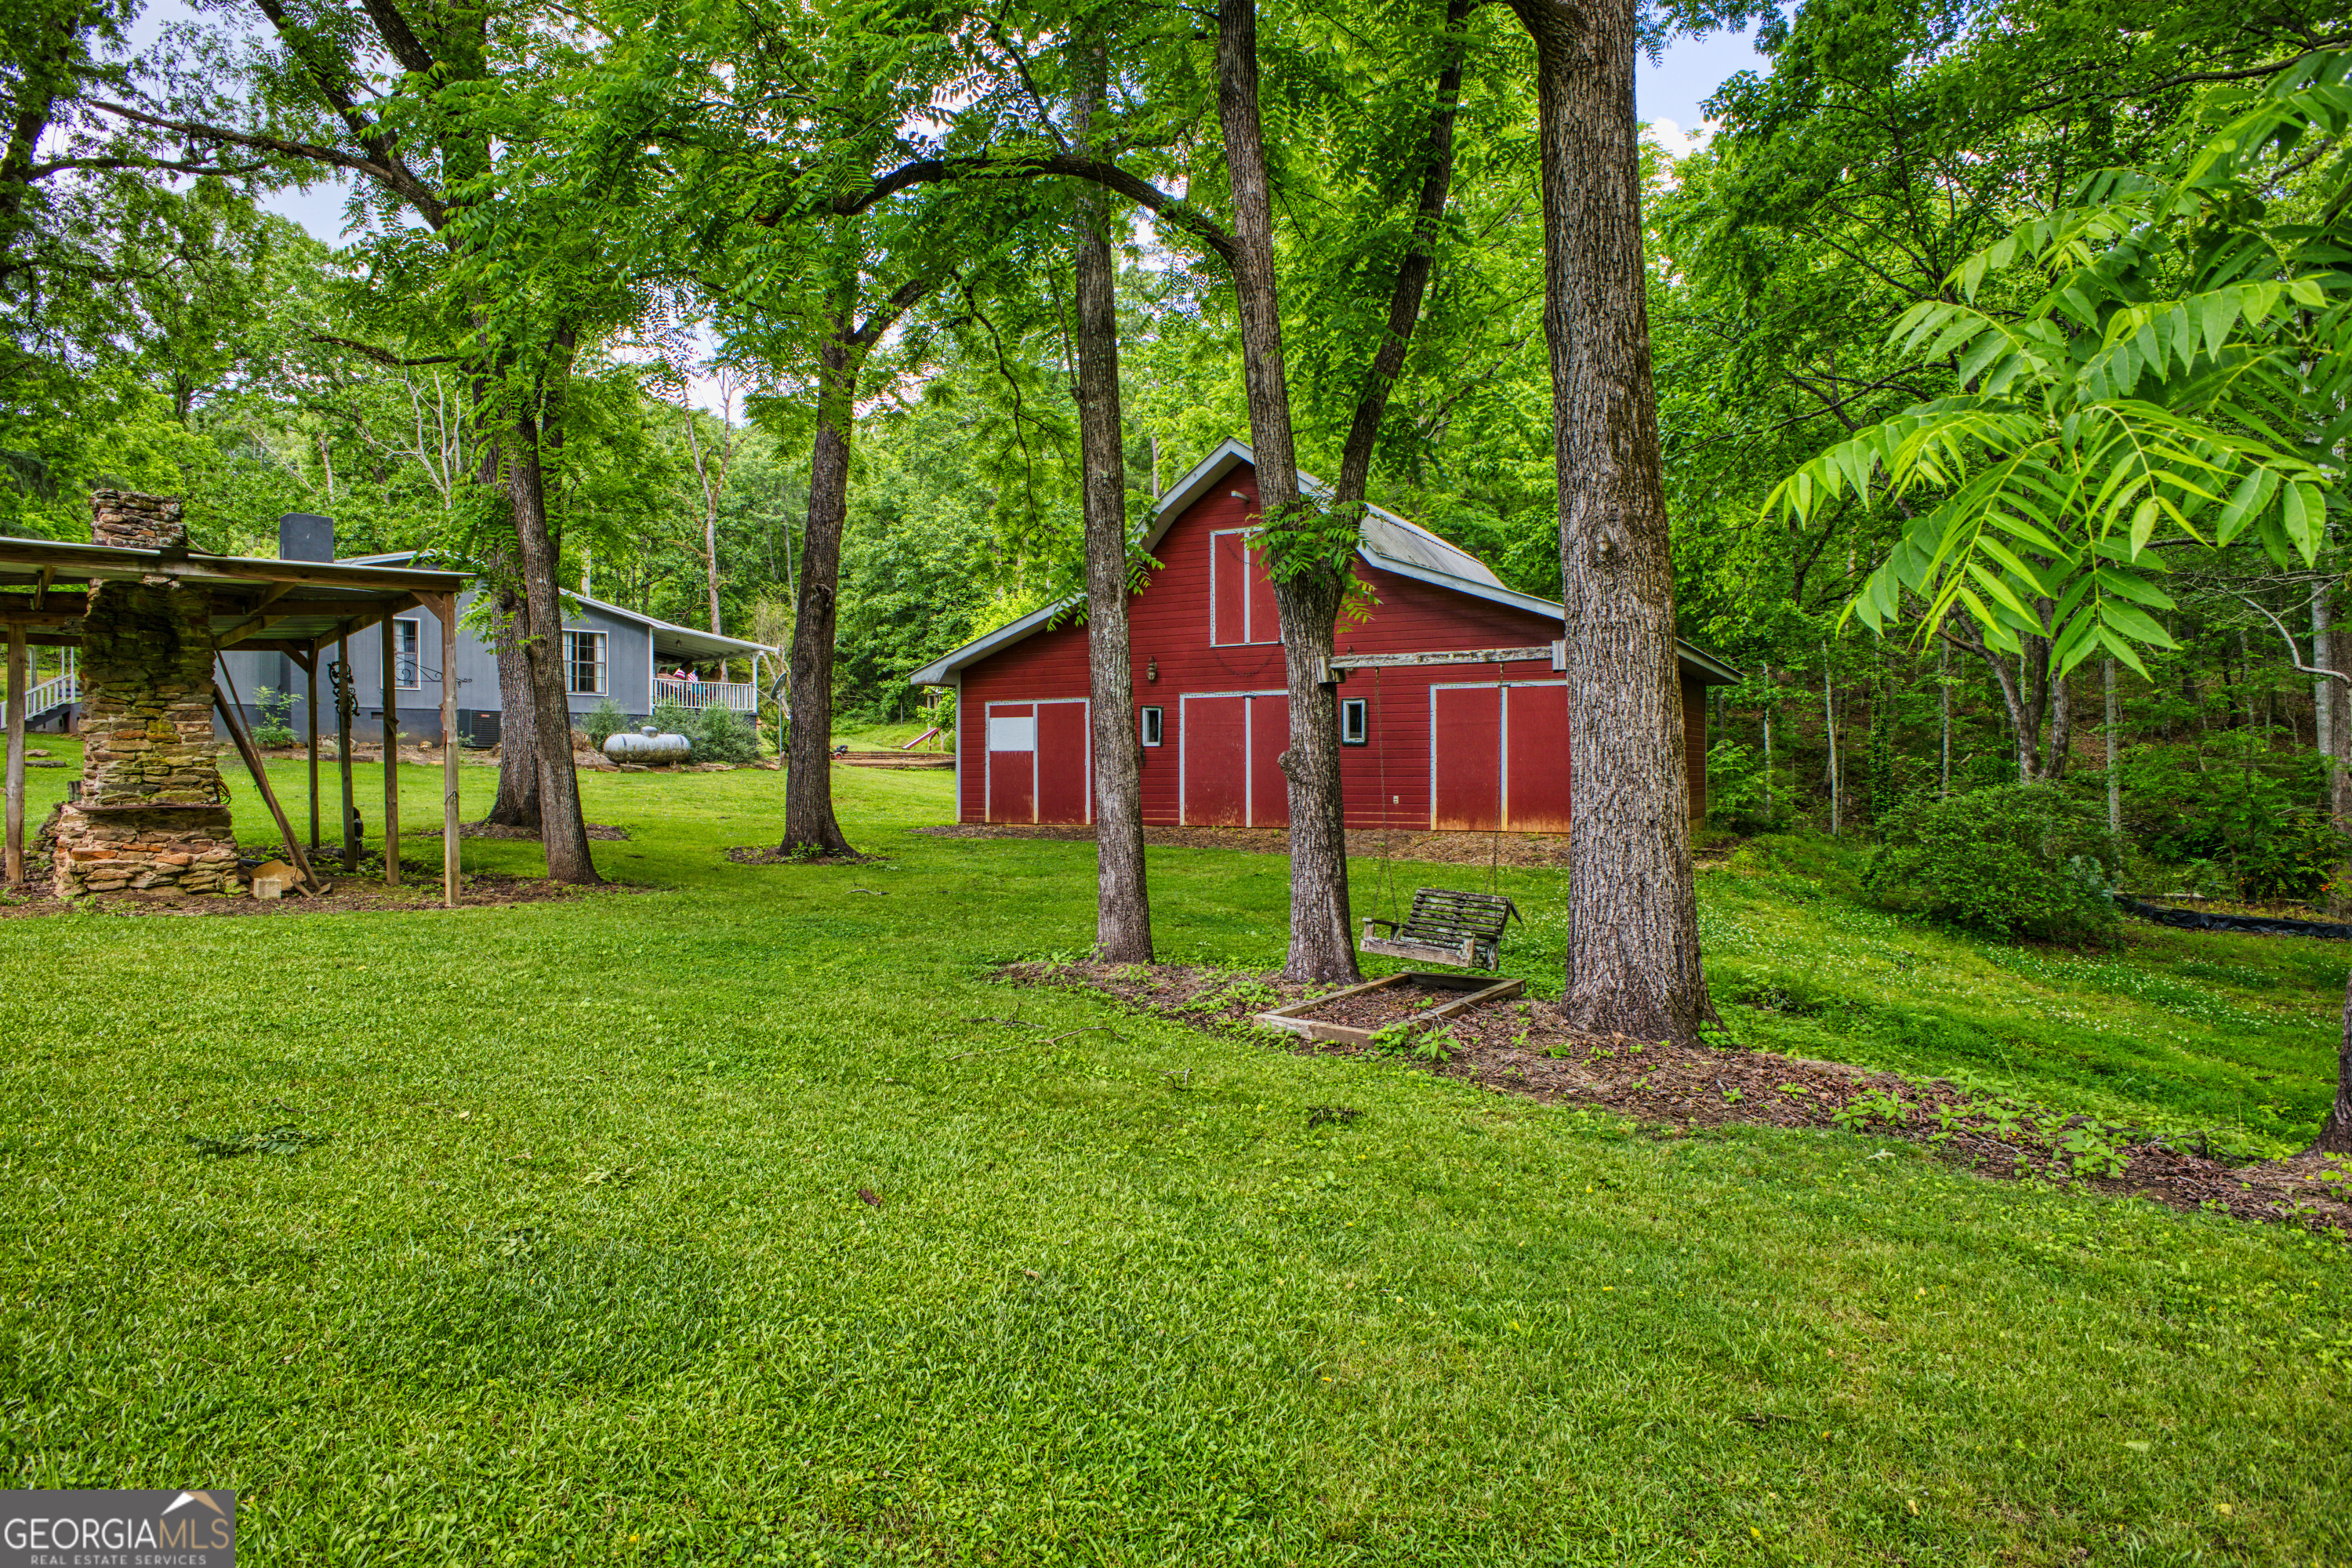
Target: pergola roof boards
(282, 606)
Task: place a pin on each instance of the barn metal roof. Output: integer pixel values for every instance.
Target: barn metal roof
(1389, 543)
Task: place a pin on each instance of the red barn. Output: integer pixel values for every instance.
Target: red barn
(1463, 747)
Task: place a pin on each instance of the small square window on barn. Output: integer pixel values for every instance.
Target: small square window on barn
(584, 665)
(1355, 721)
(1154, 719)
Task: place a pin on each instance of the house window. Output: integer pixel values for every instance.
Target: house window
(1355, 720)
(407, 644)
(1153, 719)
(584, 663)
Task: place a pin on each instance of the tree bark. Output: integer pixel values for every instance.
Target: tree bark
(517, 805)
(2335, 1132)
(563, 833)
(1308, 584)
(2339, 784)
(1632, 949)
(1123, 898)
(2115, 760)
(809, 823)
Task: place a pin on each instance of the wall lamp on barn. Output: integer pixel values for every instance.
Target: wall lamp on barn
(1151, 670)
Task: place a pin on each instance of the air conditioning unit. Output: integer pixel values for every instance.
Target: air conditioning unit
(477, 730)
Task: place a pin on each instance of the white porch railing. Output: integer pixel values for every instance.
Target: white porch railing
(50, 694)
(741, 696)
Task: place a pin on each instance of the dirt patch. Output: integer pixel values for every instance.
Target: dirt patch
(1521, 849)
(1526, 1048)
(1376, 1009)
(603, 832)
(769, 855)
(421, 892)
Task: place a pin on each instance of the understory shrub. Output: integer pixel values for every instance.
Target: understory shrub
(2244, 826)
(719, 734)
(2016, 860)
(274, 727)
(723, 735)
(606, 721)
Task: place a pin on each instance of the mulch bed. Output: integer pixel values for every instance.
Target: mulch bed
(344, 895)
(597, 830)
(1376, 1009)
(1526, 1047)
(769, 855)
(1519, 849)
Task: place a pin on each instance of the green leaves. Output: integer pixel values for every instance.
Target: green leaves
(2179, 380)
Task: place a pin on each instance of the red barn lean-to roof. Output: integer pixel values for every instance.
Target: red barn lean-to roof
(1458, 746)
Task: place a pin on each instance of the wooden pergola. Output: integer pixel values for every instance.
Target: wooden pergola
(299, 608)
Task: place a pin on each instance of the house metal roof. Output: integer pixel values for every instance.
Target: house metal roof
(1388, 542)
(668, 635)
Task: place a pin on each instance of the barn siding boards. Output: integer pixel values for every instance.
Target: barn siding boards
(1203, 625)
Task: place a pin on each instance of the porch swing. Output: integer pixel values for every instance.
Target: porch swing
(1449, 926)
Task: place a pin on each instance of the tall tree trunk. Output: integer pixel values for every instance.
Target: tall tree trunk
(563, 831)
(1123, 898)
(2061, 728)
(2115, 760)
(809, 823)
(2335, 1132)
(1944, 685)
(517, 805)
(1632, 948)
(2339, 784)
(1308, 581)
(1830, 734)
(2323, 708)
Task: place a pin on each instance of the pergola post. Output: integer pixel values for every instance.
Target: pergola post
(445, 608)
(308, 664)
(346, 699)
(391, 756)
(20, 695)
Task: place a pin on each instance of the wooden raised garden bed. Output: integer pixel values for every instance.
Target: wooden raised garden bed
(1467, 991)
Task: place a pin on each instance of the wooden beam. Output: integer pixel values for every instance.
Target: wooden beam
(41, 589)
(1547, 653)
(391, 759)
(309, 664)
(252, 755)
(256, 621)
(346, 697)
(445, 608)
(20, 696)
(61, 611)
(106, 561)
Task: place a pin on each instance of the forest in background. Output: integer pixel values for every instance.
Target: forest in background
(164, 334)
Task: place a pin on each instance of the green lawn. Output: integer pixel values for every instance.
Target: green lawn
(581, 1272)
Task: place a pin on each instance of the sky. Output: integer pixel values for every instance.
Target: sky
(1669, 95)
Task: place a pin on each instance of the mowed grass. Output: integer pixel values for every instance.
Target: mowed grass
(581, 1272)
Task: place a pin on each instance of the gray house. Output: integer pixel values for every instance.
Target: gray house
(609, 653)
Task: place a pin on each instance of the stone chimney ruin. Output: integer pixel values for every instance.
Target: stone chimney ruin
(153, 811)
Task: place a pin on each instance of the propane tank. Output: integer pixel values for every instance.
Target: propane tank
(648, 745)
